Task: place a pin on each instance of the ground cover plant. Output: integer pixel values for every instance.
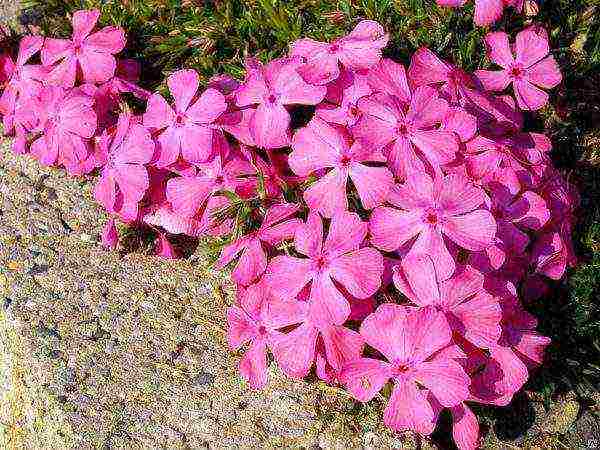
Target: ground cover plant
(370, 145)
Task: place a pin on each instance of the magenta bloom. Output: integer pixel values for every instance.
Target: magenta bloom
(486, 11)
(450, 207)
(469, 309)
(413, 342)
(344, 95)
(339, 258)
(67, 121)
(188, 129)
(23, 80)
(406, 132)
(124, 177)
(188, 195)
(361, 49)
(531, 69)
(277, 226)
(87, 53)
(110, 235)
(258, 320)
(322, 146)
(271, 88)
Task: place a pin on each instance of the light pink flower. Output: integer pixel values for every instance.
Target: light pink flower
(323, 146)
(449, 207)
(188, 194)
(361, 49)
(67, 122)
(339, 258)
(187, 130)
(469, 309)
(258, 319)
(124, 177)
(271, 88)
(404, 131)
(531, 69)
(414, 342)
(278, 225)
(91, 54)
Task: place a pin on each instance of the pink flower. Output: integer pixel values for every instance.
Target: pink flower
(189, 129)
(469, 309)
(89, 53)
(67, 121)
(404, 131)
(552, 252)
(414, 343)
(23, 80)
(258, 320)
(277, 226)
(349, 87)
(188, 195)
(339, 258)
(532, 68)
(124, 177)
(271, 88)
(450, 207)
(361, 49)
(110, 235)
(322, 146)
(164, 249)
(486, 11)
(427, 69)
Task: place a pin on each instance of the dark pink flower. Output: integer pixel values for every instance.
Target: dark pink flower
(415, 343)
(271, 88)
(187, 130)
(486, 11)
(278, 225)
(323, 146)
(89, 54)
(339, 258)
(449, 207)
(361, 49)
(110, 235)
(532, 68)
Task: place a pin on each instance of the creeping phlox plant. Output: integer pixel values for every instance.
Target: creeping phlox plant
(382, 222)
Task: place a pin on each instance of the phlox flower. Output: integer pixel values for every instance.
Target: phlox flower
(469, 309)
(125, 154)
(163, 248)
(530, 69)
(486, 11)
(187, 130)
(404, 131)
(188, 194)
(322, 146)
(67, 121)
(110, 235)
(360, 49)
(342, 96)
(277, 226)
(552, 251)
(340, 258)
(271, 88)
(23, 80)
(417, 344)
(431, 210)
(257, 320)
(86, 53)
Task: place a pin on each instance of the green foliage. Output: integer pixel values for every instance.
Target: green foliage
(214, 36)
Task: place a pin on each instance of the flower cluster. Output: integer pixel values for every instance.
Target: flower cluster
(381, 222)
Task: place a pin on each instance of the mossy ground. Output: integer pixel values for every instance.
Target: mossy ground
(215, 36)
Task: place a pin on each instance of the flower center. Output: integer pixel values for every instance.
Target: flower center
(333, 48)
(402, 129)
(353, 111)
(262, 330)
(400, 369)
(272, 99)
(431, 217)
(516, 72)
(180, 119)
(321, 262)
(345, 160)
(220, 179)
